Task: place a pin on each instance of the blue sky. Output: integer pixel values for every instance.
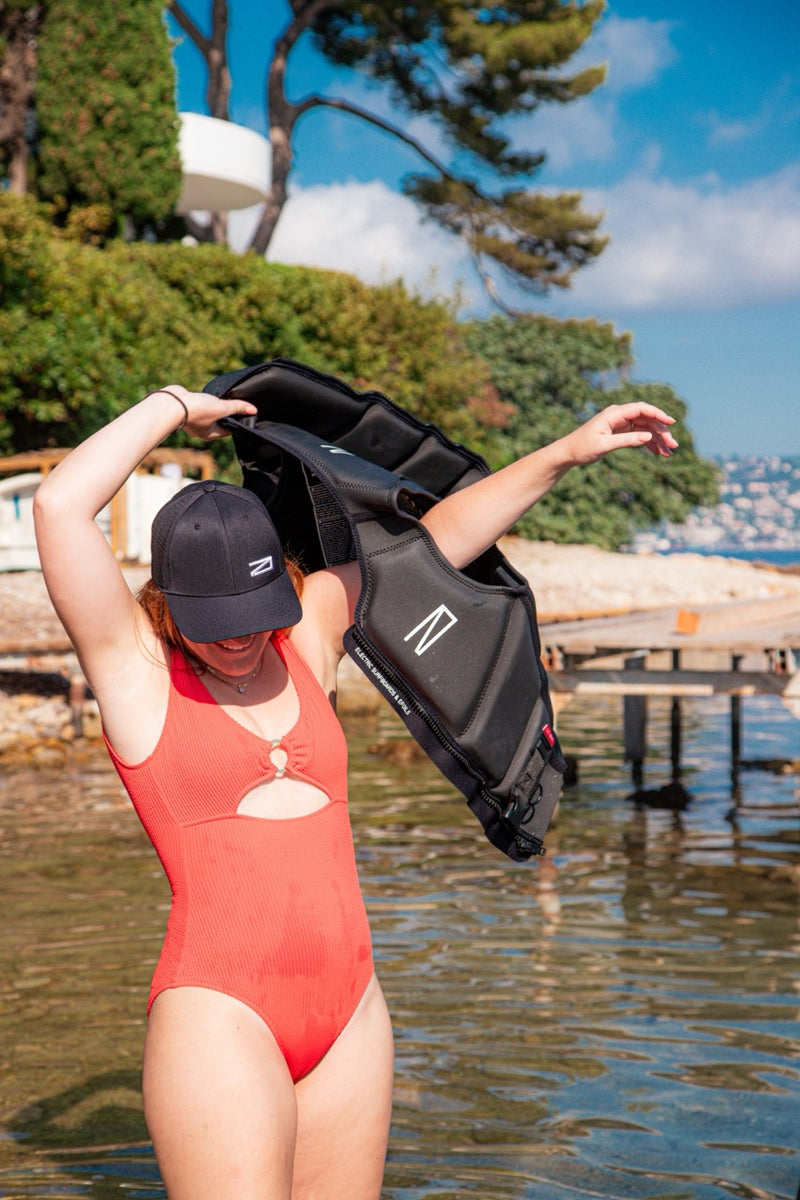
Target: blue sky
(691, 150)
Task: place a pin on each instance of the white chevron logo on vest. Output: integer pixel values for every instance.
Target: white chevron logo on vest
(429, 624)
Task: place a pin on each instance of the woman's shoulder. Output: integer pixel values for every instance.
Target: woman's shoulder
(132, 692)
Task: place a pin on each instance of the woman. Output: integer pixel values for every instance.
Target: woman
(268, 1055)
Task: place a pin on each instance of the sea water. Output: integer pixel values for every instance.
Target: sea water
(618, 1019)
(784, 557)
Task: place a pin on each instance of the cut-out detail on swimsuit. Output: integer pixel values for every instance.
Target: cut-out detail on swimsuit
(283, 796)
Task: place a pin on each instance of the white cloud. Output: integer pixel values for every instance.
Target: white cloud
(637, 51)
(777, 111)
(369, 231)
(696, 245)
(690, 246)
(722, 131)
(583, 131)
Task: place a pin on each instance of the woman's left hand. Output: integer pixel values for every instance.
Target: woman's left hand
(620, 426)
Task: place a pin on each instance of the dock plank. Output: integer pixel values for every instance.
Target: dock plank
(598, 681)
(656, 630)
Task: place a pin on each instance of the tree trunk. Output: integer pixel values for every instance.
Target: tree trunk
(18, 28)
(279, 137)
(215, 230)
(218, 94)
(281, 116)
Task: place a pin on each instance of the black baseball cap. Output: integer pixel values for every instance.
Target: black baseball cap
(216, 556)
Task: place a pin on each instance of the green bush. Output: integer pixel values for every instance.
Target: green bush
(555, 374)
(86, 331)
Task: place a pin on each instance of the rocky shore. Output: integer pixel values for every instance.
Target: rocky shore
(584, 580)
(36, 718)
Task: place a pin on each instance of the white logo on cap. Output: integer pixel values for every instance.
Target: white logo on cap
(260, 565)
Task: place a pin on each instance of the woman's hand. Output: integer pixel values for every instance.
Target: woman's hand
(202, 412)
(620, 426)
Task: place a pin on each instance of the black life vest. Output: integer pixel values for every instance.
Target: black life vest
(347, 475)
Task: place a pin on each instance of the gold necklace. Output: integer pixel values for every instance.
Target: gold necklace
(240, 687)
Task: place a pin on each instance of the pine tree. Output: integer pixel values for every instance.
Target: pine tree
(468, 65)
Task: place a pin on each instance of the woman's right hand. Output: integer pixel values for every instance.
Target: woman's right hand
(203, 412)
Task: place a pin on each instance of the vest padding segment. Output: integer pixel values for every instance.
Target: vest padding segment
(293, 394)
(433, 468)
(381, 439)
(368, 423)
(497, 725)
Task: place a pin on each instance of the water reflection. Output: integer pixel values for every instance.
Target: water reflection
(621, 1019)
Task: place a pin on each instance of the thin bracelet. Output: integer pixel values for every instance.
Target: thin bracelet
(167, 392)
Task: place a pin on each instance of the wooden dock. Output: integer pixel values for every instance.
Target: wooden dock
(758, 641)
(738, 649)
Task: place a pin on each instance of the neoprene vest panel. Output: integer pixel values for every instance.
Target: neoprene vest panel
(347, 475)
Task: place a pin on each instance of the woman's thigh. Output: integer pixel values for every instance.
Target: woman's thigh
(219, 1100)
(344, 1107)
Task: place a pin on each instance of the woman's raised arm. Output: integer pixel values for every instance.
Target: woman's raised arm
(84, 580)
(466, 523)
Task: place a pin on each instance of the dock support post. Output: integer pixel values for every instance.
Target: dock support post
(634, 709)
(736, 728)
(77, 695)
(675, 724)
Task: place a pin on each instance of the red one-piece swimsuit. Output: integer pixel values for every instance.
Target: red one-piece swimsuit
(266, 910)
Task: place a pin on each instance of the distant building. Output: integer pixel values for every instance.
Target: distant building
(759, 510)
